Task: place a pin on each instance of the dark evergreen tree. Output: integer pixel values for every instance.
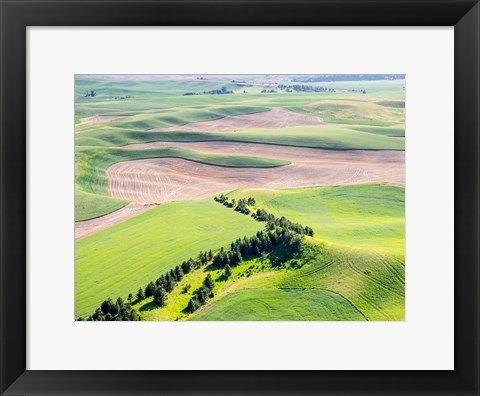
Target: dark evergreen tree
(186, 268)
(191, 263)
(208, 282)
(140, 295)
(273, 238)
(170, 284)
(120, 303)
(235, 257)
(160, 297)
(178, 272)
(308, 231)
(202, 294)
(160, 282)
(109, 307)
(150, 289)
(220, 259)
(98, 314)
(192, 305)
(133, 315)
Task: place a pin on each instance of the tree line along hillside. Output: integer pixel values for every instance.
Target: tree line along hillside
(278, 232)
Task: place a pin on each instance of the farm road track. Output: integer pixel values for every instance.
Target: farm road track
(88, 227)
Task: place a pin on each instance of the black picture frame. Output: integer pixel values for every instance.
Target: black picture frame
(17, 15)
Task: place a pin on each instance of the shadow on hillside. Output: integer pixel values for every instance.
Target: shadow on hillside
(212, 267)
(222, 278)
(149, 307)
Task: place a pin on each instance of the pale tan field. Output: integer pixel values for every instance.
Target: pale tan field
(88, 227)
(169, 179)
(275, 118)
(99, 118)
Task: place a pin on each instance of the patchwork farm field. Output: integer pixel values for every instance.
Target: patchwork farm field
(119, 260)
(239, 198)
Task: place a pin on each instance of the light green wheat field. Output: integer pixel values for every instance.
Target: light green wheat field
(285, 192)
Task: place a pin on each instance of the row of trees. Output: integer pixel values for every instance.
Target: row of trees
(362, 91)
(158, 289)
(167, 282)
(262, 242)
(221, 91)
(256, 246)
(278, 231)
(285, 223)
(114, 311)
(304, 88)
(201, 295)
(242, 206)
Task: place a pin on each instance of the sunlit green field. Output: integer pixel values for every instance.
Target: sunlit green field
(352, 269)
(365, 216)
(91, 195)
(120, 259)
(371, 283)
(275, 304)
(89, 205)
(367, 274)
(354, 122)
(324, 136)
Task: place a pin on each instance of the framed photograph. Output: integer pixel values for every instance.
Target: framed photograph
(240, 198)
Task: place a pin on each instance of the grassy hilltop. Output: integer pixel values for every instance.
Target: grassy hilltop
(362, 277)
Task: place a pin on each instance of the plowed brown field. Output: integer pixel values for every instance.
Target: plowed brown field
(275, 118)
(167, 179)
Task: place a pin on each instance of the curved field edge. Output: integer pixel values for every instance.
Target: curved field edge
(173, 117)
(333, 137)
(280, 304)
(369, 271)
(112, 262)
(369, 216)
(92, 198)
(372, 289)
(374, 282)
(117, 261)
(391, 131)
(357, 111)
(90, 206)
(373, 285)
